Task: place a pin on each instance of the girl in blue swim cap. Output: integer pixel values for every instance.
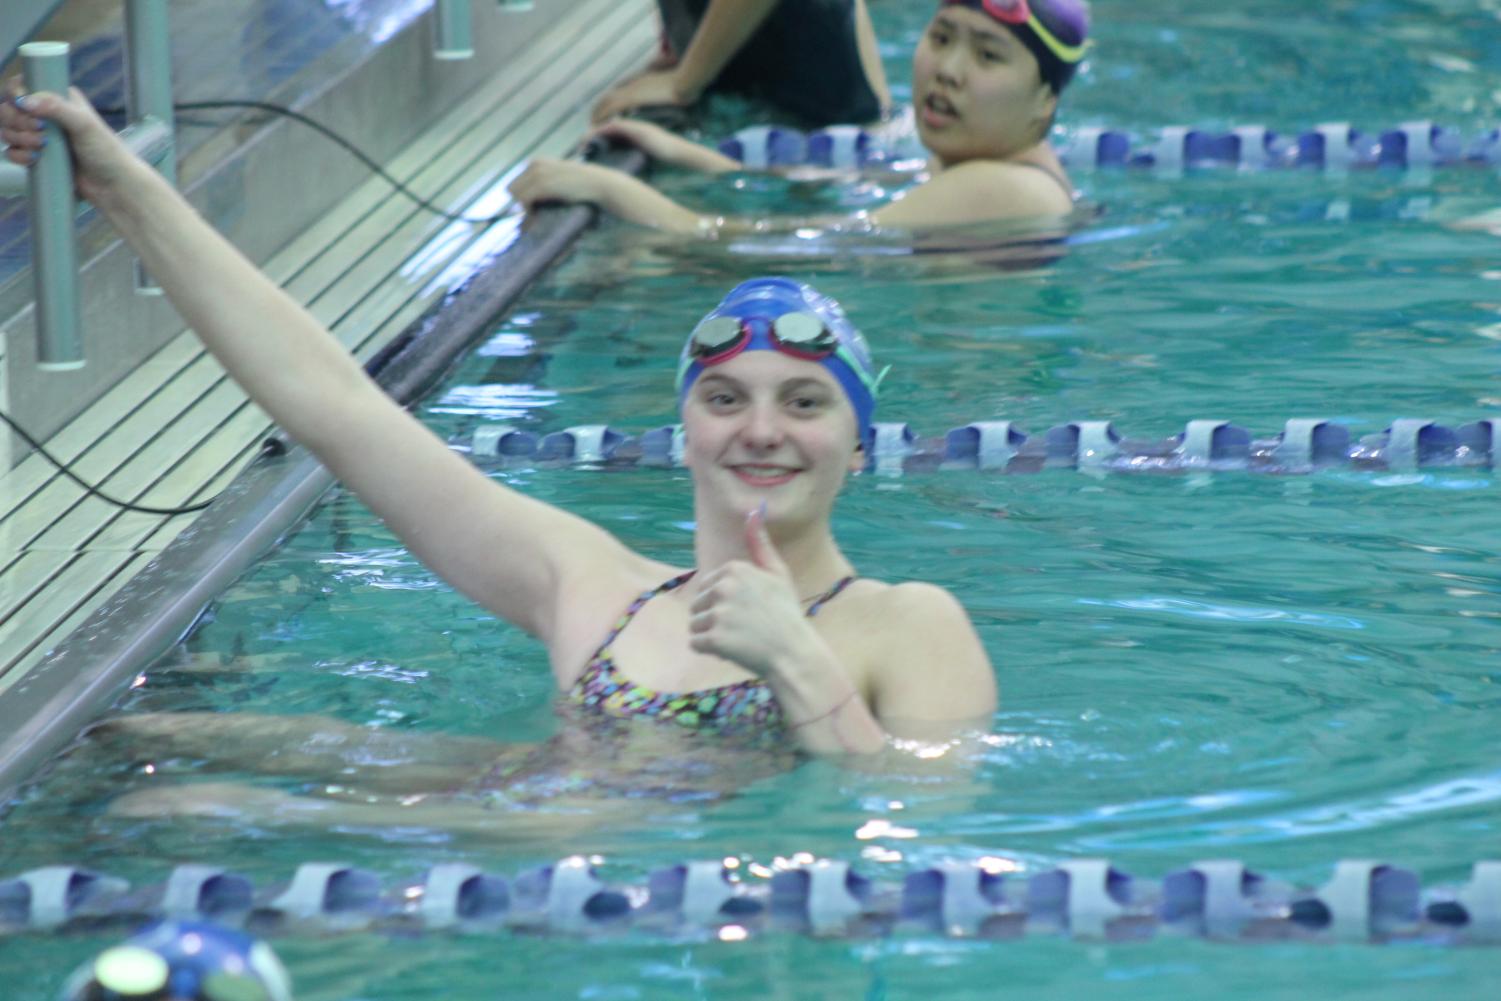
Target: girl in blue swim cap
(986, 77)
(770, 630)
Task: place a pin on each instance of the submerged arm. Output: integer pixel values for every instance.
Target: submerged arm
(507, 551)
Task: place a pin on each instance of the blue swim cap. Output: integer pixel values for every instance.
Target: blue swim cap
(183, 959)
(760, 302)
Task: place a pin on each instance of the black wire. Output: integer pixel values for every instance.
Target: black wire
(323, 130)
(338, 140)
(95, 491)
(320, 129)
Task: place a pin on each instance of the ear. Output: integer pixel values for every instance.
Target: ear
(1044, 104)
(857, 459)
(683, 422)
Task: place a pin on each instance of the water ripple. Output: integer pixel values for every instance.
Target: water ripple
(1331, 818)
(1209, 610)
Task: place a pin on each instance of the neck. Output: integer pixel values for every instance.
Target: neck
(808, 550)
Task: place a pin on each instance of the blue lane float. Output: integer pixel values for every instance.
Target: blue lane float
(1334, 146)
(1303, 445)
(1088, 899)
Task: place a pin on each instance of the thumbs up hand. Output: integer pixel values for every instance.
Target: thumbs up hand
(747, 611)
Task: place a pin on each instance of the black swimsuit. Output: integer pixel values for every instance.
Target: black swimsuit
(1068, 189)
(804, 59)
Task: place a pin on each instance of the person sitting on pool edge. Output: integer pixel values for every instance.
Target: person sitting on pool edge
(776, 394)
(986, 77)
(815, 60)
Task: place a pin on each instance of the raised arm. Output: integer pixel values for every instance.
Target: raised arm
(726, 26)
(510, 553)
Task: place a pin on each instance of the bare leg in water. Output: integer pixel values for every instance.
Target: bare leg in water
(312, 747)
(253, 804)
(374, 778)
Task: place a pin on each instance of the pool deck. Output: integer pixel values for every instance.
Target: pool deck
(177, 430)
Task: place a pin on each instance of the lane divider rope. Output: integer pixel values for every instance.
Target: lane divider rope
(1364, 900)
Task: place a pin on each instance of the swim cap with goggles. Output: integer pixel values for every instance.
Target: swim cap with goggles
(779, 314)
(1052, 30)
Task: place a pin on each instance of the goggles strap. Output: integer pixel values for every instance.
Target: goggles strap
(1019, 13)
(1067, 53)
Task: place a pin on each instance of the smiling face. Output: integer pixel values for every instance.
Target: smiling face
(977, 90)
(767, 427)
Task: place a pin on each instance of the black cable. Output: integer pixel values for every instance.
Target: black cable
(95, 491)
(338, 140)
(316, 127)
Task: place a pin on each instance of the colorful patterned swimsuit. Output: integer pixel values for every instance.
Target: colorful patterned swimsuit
(599, 753)
(742, 707)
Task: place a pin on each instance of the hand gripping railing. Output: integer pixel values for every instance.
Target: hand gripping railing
(1087, 899)
(49, 181)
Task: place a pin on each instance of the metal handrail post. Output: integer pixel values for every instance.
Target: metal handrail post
(53, 243)
(455, 26)
(148, 54)
(148, 96)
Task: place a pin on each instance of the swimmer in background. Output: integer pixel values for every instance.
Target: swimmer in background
(771, 633)
(986, 77)
(815, 60)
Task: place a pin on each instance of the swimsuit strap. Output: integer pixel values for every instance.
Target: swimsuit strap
(1062, 182)
(635, 606)
(829, 595)
(679, 581)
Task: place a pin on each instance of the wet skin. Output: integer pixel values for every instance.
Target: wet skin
(977, 91)
(765, 427)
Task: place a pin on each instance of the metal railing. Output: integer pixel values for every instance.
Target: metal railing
(48, 183)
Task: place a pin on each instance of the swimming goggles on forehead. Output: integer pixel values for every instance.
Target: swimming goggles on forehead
(1019, 12)
(802, 335)
(133, 973)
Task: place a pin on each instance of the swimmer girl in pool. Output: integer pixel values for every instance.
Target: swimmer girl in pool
(776, 393)
(986, 77)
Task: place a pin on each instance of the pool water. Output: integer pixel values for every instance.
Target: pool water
(1288, 670)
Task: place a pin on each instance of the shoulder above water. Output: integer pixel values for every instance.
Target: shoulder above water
(1041, 183)
(920, 655)
(899, 607)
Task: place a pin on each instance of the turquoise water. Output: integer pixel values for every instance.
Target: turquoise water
(1286, 670)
